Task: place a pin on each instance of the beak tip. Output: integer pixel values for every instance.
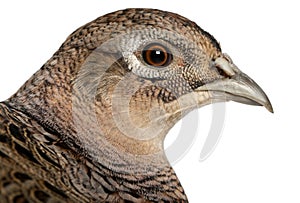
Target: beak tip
(268, 105)
(270, 108)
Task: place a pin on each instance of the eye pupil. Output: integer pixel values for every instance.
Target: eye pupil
(157, 55)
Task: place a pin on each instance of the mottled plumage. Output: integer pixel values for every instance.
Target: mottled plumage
(89, 126)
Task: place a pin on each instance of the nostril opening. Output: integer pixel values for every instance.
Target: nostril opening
(222, 72)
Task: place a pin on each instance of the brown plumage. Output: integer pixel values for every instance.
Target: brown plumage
(89, 126)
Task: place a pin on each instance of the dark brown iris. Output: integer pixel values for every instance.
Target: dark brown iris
(157, 55)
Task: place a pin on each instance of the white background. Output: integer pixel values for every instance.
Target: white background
(257, 159)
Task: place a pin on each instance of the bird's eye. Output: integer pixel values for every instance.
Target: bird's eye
(157, 55)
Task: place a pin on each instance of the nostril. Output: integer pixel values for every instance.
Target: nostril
(222, 72)
(216, 67)
(224, 67)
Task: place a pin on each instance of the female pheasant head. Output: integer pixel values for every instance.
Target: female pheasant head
(119, 83)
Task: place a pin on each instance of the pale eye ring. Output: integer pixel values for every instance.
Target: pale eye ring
(157, 55)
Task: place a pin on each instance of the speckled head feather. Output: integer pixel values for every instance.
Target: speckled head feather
(90, 124)
(132, 19)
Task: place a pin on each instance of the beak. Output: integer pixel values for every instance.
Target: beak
(237, 86)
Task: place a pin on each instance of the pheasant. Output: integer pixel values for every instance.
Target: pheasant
(89, 126)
